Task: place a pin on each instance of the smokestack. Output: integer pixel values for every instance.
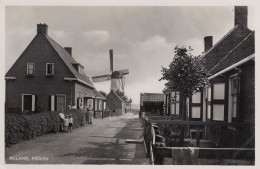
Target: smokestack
(208, 43)
(42, 28)
(69, 50)
(241, 16)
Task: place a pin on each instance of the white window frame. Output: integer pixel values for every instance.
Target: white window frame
(30, 63)
(52, 73)
(208, 105)
(230, 100)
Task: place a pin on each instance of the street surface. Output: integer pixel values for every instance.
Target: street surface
(104, 142)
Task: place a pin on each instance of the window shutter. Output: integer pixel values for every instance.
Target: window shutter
(52, 102)
(33, 102)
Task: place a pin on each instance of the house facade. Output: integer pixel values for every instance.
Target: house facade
(100, 104)
(230, 95)
(46, 76)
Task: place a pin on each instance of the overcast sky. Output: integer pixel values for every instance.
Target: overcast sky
(143, 38)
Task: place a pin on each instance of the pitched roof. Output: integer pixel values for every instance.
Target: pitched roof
(97, 94)
(112, 91)
(69, 61)
(224, 46)
(153, 97)
(244, 49)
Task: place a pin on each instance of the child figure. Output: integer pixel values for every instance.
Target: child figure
(70, 123)
(66, 123)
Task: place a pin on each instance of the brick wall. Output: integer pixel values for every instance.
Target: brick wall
(82, 91)
(113, 101)
(40, 52)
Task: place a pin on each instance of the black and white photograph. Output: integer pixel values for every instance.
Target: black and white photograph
(129, 85)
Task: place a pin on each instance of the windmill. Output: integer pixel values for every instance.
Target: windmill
(117, 77)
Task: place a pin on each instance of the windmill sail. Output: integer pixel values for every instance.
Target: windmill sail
(101, 78)
(111, 60)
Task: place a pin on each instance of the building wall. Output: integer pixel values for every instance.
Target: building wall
(244, 135)
(82, 91)
(114, 102)
(40, 52)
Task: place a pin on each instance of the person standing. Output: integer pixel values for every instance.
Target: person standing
(66, 123)
(90, 115)
(70, 123)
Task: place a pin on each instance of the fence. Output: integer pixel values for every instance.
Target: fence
(181, 151)
(106, 113)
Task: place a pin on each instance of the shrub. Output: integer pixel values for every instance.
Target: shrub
(25, 126)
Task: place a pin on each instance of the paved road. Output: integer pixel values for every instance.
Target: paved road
(101, 143)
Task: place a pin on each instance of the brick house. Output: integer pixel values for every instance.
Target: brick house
(47, 76)
(230, 95)
(115, 103)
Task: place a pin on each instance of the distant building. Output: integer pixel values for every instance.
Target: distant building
(115, 103)
(152, 102)
(47, 76)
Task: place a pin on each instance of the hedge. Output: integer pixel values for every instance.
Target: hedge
(25, 126)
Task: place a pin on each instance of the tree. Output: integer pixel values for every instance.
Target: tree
(186, 74)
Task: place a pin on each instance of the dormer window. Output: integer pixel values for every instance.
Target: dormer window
(30, 68)
(80, 70)
(49, 69)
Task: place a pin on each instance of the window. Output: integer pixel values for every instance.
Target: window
(234, 95)
(195, 109)
(218, 100)
(49, 68)
(209, 102)
(175, 103)
(30, 68)
(28, 102)
(80, 70)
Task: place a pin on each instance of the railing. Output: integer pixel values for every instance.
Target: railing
(157, 149)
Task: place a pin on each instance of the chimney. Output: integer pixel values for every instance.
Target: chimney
(42, 28)
(69, 50)
(241, 16)
(208, 43)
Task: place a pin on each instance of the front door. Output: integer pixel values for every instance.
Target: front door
(61, 100)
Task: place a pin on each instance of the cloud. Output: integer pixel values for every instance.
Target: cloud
(97, 36)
